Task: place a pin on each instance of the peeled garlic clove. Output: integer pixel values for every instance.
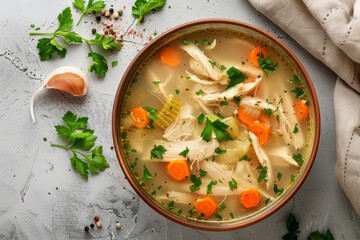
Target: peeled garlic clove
(68, 79)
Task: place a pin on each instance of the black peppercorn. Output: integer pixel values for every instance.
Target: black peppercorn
(93, 31)
(111, 10)
(86, 228)
(98, 18)
(92, 225)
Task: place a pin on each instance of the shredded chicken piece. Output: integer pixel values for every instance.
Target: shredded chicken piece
(194, 78)
(211, 46)
(182, 126)
(263, 159)
(282, 153)
(207, 70)
(257, 103)
(229, 94)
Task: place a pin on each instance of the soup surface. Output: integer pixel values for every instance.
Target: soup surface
(216, 127)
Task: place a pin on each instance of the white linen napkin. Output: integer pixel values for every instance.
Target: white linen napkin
(330, 31)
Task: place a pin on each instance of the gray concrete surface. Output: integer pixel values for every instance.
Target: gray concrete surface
(42, 197)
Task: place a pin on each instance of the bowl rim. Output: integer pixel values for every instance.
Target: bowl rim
(116, 116)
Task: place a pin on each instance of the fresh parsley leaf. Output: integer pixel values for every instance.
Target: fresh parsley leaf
(236, 77)
(222, 206)
(298, 158)
(99, 64)
(233, 184)
(171, 205)
(185, 152)
(295, 79)
(152, 113)
(292, 226)
(196, 183)
(192, 212)
(213, 63)
(321, 236)
(218, 127)
(277, 190)
(142, 7)
(296, 129)
(200, 92)
(268, 111)
(219, 115)
(157, 152)
(201, 118)
(48, 47)
(218, 150)
(237, 100)
(222, 68)
(71, 37)
(65, 20)
(292, 178)
(267, 64)
(299, 92)
(267, 201)
(91, 6)
(206, 42)
(203, 173)
(186, 42)
(156, 82)
(114, 64)
(79, 138)
(105, 42)
(146, 174)
(262, 174)
(177, 91)
(279, 175)
(244, 158)
(180, 211)
(231, 215)
(218, 215)
(210, 185)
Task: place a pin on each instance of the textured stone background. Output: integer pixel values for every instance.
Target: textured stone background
(42, 198)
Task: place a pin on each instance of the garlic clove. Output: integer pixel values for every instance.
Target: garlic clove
(68, 79)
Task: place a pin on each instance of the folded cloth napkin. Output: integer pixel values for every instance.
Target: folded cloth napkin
(330, 31)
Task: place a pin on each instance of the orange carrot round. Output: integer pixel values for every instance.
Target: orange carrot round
(261, 131)
(263, 118)
(255, 54)
(301, 110)
(206, 206)
(250, 198)
(178, 169)
(244, 117)
(170, 56)
(139, 117)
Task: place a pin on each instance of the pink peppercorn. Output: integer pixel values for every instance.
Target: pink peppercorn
(96, 218)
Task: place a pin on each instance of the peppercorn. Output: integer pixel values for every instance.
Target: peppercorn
(103, 11)
(107, 14)
(92, 225)
(86, 228)
(120, 12)
(96, 218)
(93, 31)
(116, 15)
(111, 10)
(117, 225)
(98, 18)
(99, 224)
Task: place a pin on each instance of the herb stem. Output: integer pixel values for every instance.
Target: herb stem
(78, 152)
(42, 33)
(81, 17)
(59, 146)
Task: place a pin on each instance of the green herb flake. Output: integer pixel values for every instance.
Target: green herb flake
(32, 25)
(279, 175)
(196, 183)
(206, 42)
(186, 42)
(296, 129)
(196, 42)
(262, 174)
(114, 63)
(210, 185)
(267, 64)
(231, 215)
(218, 150)
(222, 68)
(233, 184)
(180, 211)
(146, 174)
(236, 77)
(200, 92)
(295, 79)
(277, 190)
(299, 93)
(321, 236)
(177, 91)
(192, 212)
(171, 205)
(157, 152)
(218, 127)
(143, 7)
(292, 226)
(222, 206)
(201, 118)
(153, 193)
(218, 216)
(237, 100)
(203, 172)
(156, 82)
(267, 111)
(292, 178)
(185, 152)
(134, 164)
(244, 158)
(267, 201)
(298, 158)
(213, 63)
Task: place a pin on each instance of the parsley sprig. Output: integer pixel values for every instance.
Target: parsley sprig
(236, 77)
(267, 64)
(142, 7)
(80, 141)
(49, 47)
(218, 127)
(91, 6)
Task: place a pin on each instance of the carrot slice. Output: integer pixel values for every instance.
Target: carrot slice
(178, 169)
(245, 117)
(255, 54)
(170, 57)
(301, 110)
(139, 117)
(261, 131)
(250, 198)
(206, 206)
(264, 119)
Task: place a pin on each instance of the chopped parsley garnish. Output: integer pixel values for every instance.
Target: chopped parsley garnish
(192, 212)
(268, 111)
(222, 68)
(279, 175)
(298, 158)
(236, 77)
(196, 183)
(213, 63)
(196, 42)
(114, 64)
(152, 111)
(222, 206)
(321, 236)
(171, 205)
(278, 118)
(244, 158)
(157, 152)
(186, 42)
(237, 100)
(299, 92)
(219, 115)
(218, 150)
(224, 103)
(233, 184)
(201, 118)
(292, 178)
(187, 77)
(295, 79)
(218, 215)
(210, 185)
(203, 173)
(293, 227)
(156, 82)
(262, 174)
(296, 129)
(231, 215)
(277, 190)
(134, 164)
(153, 193)
(200, 92)
(177, 91)
(180, 211)
(267, 201)
(206, 42)
(185, 152)
(218, 127)
(147, 175)
(267, 64)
